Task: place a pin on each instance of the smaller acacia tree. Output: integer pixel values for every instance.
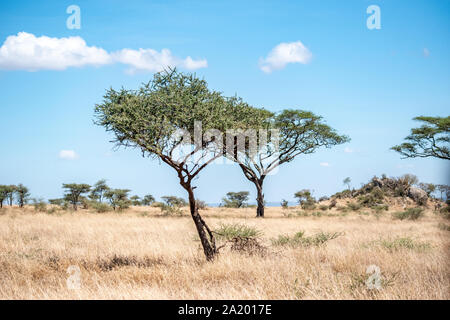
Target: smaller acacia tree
(10, 190)
(432, 139)
(148, 200)
(118, 198)
(22, 194)
(236, 199)
(347, 182)
(135, 200)
(305, 199)
(98, 190)
(279, 139)
(74, 193)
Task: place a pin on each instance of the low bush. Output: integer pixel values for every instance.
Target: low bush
(233, 230)
(299, 239)
(409, 214)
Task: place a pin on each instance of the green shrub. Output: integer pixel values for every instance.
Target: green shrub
(299, 239)
(444, 226)
(323, 207)
(39, 205)
(353, 206)
(233, 230)
(404, 243)
(409, 214)
(284, 204)
(380, 207)
(100, 207)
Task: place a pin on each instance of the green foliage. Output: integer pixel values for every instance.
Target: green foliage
(409, 214)
(233, 230)
(73, 193)
(136, 200)
(171, 205)
(23, 195)
(118, 198)
(354, 206)
(429, 188)
(299, 239)
(284, 204)
(98, 190)
(148, 200)
(430, 140)
(39, 205)
(235, 199)
(347, 182)
(100, 207)
(404, 243)
(305, 199)
(444, 226)
(372, 199)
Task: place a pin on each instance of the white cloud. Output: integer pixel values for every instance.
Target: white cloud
(154, 61)
(324, 164)
(25, 51)
(426, 52)
(284, 53)
(68, 155)
(348, 150)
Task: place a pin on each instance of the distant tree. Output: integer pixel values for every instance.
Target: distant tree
(160, 119)
(56, 202)
(305, 199)
(98, 190)
(236, 199)
(430, 140)
(10, 190)
(118, 198)
(3, 194)
(136, 200)
(281, 138)
(74, 191)
(22, 194)
(429, 188)
(443, 189)
(347, 182)
(148, 200)
(408, 180)
(284, 204)
(174, 201)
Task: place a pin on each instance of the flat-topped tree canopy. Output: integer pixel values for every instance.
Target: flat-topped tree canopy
(283, 137)
(178, 119)
(432, 139)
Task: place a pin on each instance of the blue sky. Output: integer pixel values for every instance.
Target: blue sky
(368, 84)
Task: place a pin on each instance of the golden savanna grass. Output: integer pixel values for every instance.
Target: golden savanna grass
(140, 254)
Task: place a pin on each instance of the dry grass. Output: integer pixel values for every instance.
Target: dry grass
(140, 254)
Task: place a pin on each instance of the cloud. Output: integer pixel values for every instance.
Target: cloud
(348, 150)
(426, 52)
(324, 164)
(25, 51)
(284, 53)
(68, 155)
(154, 61)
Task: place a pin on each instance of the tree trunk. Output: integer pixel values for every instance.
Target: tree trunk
(259, 198)
(209, 245)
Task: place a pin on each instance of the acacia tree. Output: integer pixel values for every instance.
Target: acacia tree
(236, 199)
(118, 198)
(74, 193)
(9, 191)
(430, 140)
(148, 200)
(160, 120)
(3, 194)
(22, 194)
(98, 190)
(281, 138)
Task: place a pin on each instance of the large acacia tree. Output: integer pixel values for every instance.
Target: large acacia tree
(432, 139)
(177, 119)
(282, 137)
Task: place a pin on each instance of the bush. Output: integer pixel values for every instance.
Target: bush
(201, 204)
(380, 207)
(375, 197)
(233, 230)
(100, 207)
(300, 240)
(404, 243)
(305, 199)
(323, 207)
(353, 206)
(284, 204)
(39, 205)
(410, 214)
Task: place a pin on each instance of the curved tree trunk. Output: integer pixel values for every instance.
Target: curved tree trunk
(209, 245)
